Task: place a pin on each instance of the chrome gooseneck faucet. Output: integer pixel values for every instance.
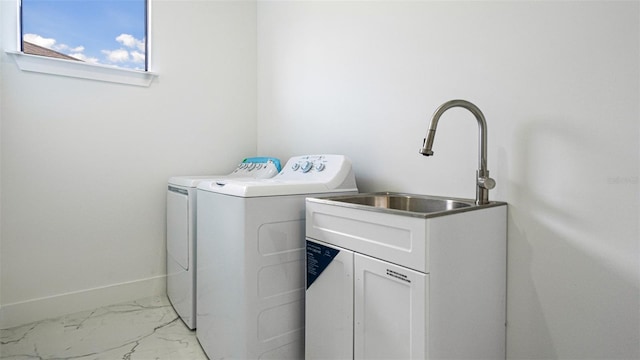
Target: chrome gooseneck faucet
(483, 182)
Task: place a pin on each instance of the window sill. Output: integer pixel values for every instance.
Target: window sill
(77, 69)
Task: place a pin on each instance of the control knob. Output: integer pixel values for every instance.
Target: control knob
(306, 166)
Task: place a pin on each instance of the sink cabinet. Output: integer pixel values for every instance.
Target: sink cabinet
(365, 308)
(389, 286)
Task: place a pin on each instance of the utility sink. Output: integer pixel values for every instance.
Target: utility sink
(402, 228)
(409, 275)
(408, 204)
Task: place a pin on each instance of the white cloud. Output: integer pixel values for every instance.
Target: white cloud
(68, 49)
(85, 58)
(130, 41)
(119, 55)
(39, 40)
(133, 51)
(137, 57)
(126, 40)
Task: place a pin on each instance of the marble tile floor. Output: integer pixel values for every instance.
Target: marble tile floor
(144, 329)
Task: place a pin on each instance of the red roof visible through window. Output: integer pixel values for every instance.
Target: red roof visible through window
(33, 49)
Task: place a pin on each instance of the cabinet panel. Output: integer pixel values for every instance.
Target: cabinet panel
(395, 238)
(329, 302)
(390, 311)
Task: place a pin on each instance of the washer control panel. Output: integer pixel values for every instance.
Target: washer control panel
(307, 163)
(315, 168)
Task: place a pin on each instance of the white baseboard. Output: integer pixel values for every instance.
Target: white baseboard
(25, 312)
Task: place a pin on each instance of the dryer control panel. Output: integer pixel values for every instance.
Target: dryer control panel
(250, 168)
(257, 168)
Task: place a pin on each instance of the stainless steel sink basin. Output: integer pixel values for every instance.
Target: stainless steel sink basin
(407, 204)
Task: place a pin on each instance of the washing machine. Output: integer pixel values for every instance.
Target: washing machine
(181, 231)
(251, 258)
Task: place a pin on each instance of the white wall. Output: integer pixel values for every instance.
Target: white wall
(84, 164)
(559, 85)
(1, 105)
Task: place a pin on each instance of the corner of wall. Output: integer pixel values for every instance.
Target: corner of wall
(1, 107)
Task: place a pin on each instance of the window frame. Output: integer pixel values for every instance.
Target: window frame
(83, 70)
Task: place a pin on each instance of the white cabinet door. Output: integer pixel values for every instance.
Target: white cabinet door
(329, 302)
(390, 311)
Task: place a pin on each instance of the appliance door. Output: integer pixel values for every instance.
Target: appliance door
(329, 302)
(180, 269)
(178, 227)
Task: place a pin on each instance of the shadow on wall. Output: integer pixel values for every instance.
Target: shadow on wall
(572, 286)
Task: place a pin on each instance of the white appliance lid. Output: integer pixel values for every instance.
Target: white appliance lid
(250, 168)
(307, 174)
(193, 181)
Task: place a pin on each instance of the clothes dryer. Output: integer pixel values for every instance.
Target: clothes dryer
(251, 256)
(181, 231)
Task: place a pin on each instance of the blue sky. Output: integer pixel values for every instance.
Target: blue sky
(109, 32)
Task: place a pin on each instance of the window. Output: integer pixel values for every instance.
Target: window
(102, 32)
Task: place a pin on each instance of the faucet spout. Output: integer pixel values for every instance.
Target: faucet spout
(483, 182)
(427, 143)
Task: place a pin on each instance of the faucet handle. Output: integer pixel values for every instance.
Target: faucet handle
(486, 182)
